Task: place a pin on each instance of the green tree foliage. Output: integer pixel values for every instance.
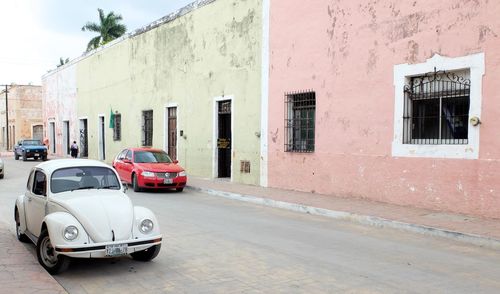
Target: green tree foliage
(109, 28)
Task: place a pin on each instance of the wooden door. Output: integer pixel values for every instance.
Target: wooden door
(172, 132)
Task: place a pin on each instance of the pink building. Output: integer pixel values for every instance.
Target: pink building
(394, 101)
(59, 109)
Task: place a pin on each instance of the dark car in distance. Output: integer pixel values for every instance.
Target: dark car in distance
(30, 149)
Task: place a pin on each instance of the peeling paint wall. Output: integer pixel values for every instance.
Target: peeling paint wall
(25, 103)
(212, 50)
(346, 52)
(59, 105)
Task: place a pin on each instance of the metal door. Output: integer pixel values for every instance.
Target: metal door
(66, 138)
(52, 142)
(38, 132)
(172, 132)
(224, 139)
(102, 139)
(84, 144)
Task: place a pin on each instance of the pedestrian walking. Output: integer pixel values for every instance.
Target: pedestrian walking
(74, 150)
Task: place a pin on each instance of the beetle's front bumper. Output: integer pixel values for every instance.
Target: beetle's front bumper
(98, 250)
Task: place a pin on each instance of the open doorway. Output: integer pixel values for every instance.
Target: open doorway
(224, 135)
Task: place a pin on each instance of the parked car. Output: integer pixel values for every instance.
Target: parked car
(147, 168)
(76, 208)
(2, 169)
(30, 149)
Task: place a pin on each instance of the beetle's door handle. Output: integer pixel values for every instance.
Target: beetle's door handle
(29, 199)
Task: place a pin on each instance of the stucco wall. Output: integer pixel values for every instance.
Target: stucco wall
(346, 52)
(59, 104)
(210, 52)
(25, 103)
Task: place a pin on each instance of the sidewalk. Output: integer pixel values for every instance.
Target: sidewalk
(474, 230)
(20, 271)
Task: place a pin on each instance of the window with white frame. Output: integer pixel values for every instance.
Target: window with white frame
(437, 107)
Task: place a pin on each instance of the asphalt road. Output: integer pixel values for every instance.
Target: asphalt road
(215, 245)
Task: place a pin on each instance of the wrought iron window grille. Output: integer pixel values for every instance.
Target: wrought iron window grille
(300, 112)
(436, 109)
(117, 130)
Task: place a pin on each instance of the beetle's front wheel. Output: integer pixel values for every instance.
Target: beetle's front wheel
(47, 257)
(146, 254)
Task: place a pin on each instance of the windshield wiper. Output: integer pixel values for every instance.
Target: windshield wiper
(109, 187)
(83, 188)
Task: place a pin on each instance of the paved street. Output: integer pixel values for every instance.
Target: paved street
(214, 245)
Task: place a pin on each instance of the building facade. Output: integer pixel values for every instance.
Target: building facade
(25, 114)
(389, 101)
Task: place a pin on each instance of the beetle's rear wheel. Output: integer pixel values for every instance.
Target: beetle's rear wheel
(47, 257)
(20, 236)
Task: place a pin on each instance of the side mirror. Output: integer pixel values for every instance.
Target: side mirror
(176, 161)
(125, 160)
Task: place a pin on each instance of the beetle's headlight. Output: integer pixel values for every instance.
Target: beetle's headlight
(146, 226)
(70, 233)
(148, 174)
(182, 173)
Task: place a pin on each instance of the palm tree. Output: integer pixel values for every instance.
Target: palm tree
(108, 28)
(62, 61)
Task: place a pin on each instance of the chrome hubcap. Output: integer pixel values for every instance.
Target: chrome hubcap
(47, 253)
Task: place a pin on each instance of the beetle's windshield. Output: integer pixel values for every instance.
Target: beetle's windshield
(85, 177)
(151, 157)
(32, 143)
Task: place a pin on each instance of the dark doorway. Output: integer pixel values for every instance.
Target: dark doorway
(172, 132)
(84, 143)
(224, 139)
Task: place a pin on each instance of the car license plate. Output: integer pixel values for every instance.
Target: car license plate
(116, 249)
(36, 154)
(168, 181)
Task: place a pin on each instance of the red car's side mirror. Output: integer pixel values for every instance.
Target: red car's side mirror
(127, 161)
(176, 161)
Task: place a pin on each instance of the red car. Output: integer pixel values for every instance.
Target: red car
(146, 168)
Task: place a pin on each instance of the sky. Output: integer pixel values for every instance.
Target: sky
(35, 34)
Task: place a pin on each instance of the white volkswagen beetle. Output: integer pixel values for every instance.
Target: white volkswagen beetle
(76, 208)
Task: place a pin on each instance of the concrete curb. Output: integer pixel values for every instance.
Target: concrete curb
(360, 219)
